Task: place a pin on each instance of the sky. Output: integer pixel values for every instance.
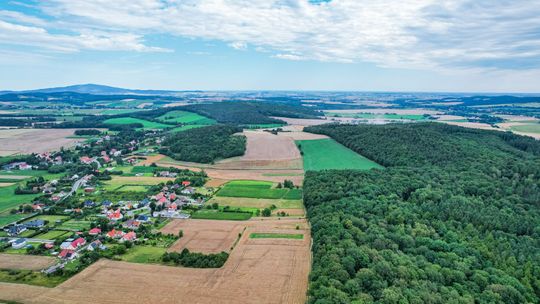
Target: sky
(352, 45)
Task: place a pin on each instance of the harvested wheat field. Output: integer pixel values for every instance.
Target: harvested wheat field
(150, 160)
(215, 182)
(300, 135)
(257, 271)
(303, 121)
(26, 141)
(26, 262)
(206, 236)
(267, 146)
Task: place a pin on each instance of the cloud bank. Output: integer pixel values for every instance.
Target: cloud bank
(424, 34)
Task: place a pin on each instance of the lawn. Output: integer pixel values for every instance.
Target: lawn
(218, 215)
(51, 218)
(322, 154)
(132, 188)
(10, 200)
(257, 189)
(8, 218)
(75, 225)
(144, 254)
(529, 128)
(296, 236)
(51, 235)
(186, 118)
(143, 169)
(130, 120)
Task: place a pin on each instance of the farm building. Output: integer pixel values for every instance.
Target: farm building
(18, 243)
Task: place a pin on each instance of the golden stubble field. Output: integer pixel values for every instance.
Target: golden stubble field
(28, 262)
(26, 141)
(257, 271)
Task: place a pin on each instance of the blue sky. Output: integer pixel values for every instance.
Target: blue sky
(363, 45)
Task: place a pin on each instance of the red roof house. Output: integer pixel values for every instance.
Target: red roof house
(130, 236)
(94, 231)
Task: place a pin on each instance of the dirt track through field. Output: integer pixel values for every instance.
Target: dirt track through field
(257, 271)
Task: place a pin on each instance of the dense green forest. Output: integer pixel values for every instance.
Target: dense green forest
(454, 218)
(250, 112)
(205, 145)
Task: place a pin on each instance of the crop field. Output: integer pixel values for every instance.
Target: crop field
(258, 189)
(27, 262)
(27, 141)
(262, 126)
(219, 215)
(204, 236)
(187, 118)
(143, 254)
(234, 202)
(266, 146)
(52, 235)
(255, 270)
(322, 154)
(7, 218)
(527, 128)
(296, 236)
(130, 120)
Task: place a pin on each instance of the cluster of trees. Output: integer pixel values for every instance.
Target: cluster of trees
(453, 218)
(87, 132)
(251, 112)
(196, 260)
(205, 145)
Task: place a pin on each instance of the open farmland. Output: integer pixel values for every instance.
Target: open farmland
(266, 146)
(27, 262)
(204, 236)
(186, 118)
(130, 120)
(258, 189)
(26, 141)
(322, 154)
(257, 271)
(260, 203)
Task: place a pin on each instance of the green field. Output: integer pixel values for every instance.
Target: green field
(144, 254)
(187, 127)
(51, 218)
(186, 118)
(257, 189)
(296, 236)
(133, 188)
(218, 215)
(51, 235)
(7, 218)
(75, 225)
(9, 200)
(322, 154)
(389, 116)
(30, 277)
(262, 126)
(130, 120)
(529, 128)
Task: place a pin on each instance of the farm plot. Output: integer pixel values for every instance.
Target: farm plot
(52, 235)
(257, 189)
(130, 120)
(322, 154)
(75, 225)
(204, 236)
(266, 146)
(234, 202)
(133, 183)
(144, 254)
(255, 270)
(221, 215)
(187, 118)
(26, 262)
(27, 141)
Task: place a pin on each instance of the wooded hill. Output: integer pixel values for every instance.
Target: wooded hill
(454, 218)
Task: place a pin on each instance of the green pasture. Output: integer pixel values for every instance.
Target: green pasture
(186, 118)
(143, 254)
(218, 215)
(257, 189)
(322, 154)
(529, 128)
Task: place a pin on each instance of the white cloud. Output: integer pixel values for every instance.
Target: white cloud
(430, 34)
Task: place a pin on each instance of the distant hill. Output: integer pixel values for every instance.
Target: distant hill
(96, 89)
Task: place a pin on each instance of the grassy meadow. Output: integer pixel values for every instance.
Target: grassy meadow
(130, 120)
(323, 154)
(258, 189)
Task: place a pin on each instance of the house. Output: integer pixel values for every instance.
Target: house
(143, 218)
(130, 236)
(96, 245)
(18, 243)
(49, 245)
(106, 204)
(89, 189)
(188, 190)
(35, 224)
(16, 229)
(131, 224)
(78, 242)
(67, 254)
(67, 245)
(89, 204)
(86, 160)
(94, 231)
(38, 207)
(115, 234)
(115, 215)
(186, 183)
